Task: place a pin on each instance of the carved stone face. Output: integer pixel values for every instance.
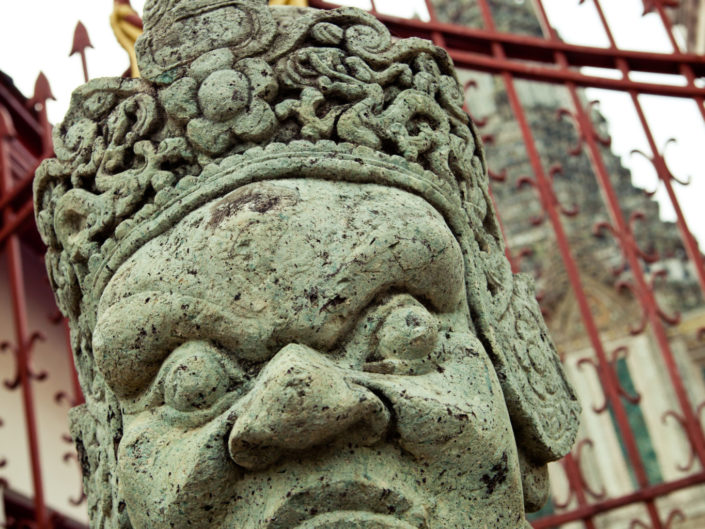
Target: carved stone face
(300, 354)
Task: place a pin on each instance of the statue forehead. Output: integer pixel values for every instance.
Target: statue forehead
(260, 232)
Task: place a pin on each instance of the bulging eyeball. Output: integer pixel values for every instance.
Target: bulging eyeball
(196, 380)
(408, 332)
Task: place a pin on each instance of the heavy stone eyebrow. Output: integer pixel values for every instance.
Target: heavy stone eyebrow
(134, 336)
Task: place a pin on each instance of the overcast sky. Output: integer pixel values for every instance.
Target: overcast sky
(37, 35)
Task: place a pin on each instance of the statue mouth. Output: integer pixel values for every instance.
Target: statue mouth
(354, 520)
(348, 505)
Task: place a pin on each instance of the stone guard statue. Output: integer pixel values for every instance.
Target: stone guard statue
(289, 300)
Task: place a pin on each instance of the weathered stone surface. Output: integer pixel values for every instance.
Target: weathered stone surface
(289, 300)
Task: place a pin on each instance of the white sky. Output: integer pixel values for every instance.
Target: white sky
(37, 35)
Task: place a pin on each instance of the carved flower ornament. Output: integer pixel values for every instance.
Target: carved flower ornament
(229, 105)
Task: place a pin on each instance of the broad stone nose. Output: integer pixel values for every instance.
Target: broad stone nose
(301, 400)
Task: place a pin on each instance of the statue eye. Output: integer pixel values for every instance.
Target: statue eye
(409, 332)
(197, 378)
(397, 335)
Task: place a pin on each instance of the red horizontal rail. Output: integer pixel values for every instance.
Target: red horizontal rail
(644, 494)
(561, 76)
(473, 48)
(538, 49)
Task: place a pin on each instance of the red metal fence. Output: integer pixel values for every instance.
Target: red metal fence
(508, 57)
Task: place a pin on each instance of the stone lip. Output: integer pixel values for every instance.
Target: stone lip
(357, 503)
(354, 520)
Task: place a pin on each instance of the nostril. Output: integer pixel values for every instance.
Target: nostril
(247, 452)
(375, 419)
(389, 430)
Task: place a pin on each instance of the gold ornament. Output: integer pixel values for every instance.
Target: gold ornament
(127, 26)
(297, 3)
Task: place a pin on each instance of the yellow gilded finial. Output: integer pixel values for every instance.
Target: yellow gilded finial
(297, 3)
(127, 26)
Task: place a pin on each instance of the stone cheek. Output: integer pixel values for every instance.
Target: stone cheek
(279, 372)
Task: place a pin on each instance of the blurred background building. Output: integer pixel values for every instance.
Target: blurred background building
(621, 289)
(689, 19)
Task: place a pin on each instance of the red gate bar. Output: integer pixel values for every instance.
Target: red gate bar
(23, 342)
(649, 493)
(658, 160)
(550, 203)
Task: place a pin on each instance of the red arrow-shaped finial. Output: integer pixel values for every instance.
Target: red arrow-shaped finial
(42, 91)
(81, 41)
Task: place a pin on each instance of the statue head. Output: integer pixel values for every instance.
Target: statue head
(289, 300)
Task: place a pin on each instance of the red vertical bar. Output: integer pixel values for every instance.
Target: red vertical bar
(605, 371)
(667, 26)
(686, 70)
(77, 392)
(431, 11)
(543, 184)
(548, 202)
(691, 245)
(691, 423)
(573, 472)
(436, 36)
(603, 177)
(19, 309)
(647, 299)
(615, 211)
